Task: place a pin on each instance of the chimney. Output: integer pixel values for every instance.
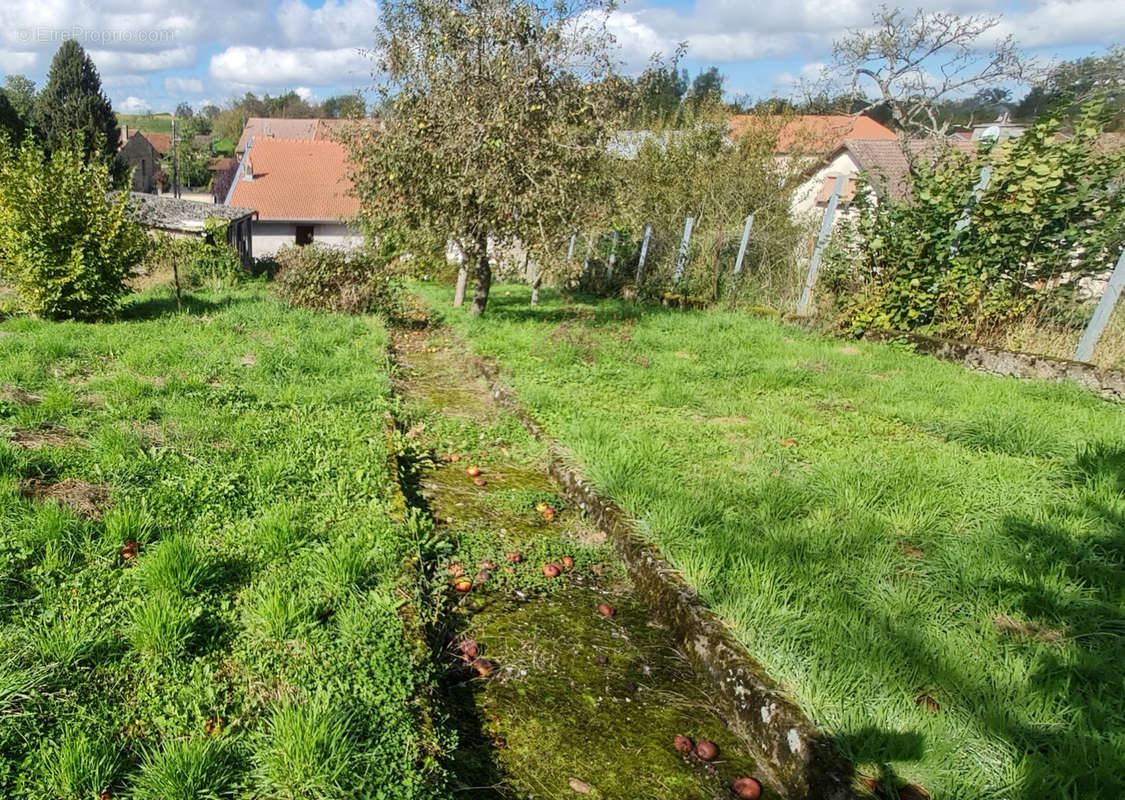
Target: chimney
(247, 166)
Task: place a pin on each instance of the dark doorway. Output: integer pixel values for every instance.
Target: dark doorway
(304, 235)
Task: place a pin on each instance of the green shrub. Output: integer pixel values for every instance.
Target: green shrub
(957, 259)
(65, 248)
(207, 261)
(330, 279)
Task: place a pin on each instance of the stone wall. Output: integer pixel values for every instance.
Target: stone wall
(1109, 383)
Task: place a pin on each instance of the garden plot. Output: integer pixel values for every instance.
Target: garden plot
(929, 560)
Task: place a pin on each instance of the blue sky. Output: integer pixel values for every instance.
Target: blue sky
(155, 53)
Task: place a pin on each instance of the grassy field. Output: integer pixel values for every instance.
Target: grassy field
(150, 123)
(929, 560)
(209, 609)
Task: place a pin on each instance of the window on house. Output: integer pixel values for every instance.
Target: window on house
(304, 234)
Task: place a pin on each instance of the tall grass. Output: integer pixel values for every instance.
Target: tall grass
(248, 516)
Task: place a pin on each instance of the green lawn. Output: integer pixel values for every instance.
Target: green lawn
(930, 560)
(248, 644)
(150, 123)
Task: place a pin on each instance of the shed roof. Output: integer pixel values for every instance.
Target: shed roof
(176, 214)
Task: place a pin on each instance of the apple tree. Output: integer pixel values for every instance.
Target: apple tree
(495, 126)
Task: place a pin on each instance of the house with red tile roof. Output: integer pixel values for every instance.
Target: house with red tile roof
(885, 164)
(811, 134)
(309, 130)
(301, 191)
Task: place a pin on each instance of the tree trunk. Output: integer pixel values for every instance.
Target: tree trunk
(484, 278)
(462, 279)
(535, 284)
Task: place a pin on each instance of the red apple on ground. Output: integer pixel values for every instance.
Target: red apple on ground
(706, 750)
(472, 472)
(683, 744)
(748, 788)
(606, 610)
(462, 584)
(567, 562)
(552, 570)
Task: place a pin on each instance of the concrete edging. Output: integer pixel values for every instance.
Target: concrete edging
(798, 760)
(1109, 383)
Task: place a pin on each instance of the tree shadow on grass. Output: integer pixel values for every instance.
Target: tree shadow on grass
(154, 306)
(591, 310)
(1086, 758)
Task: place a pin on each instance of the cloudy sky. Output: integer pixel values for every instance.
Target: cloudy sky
(155, 53)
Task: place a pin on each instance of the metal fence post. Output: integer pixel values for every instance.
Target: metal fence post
(818, 251)
(681, 259)
(745, 241)
(612, 256)
(644, 252)
(1103, 312)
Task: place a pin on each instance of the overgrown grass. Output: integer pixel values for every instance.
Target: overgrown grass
(225, 624)
(928, 559)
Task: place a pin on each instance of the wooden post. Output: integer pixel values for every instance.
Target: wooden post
(745, 241)
(1103, 312)
(681, 259)
(818, 251)
(612, 256)
(644, 252)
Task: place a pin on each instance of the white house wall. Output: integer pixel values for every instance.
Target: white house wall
(269, 237)
(804, 197)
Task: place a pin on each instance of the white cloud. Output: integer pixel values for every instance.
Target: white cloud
(112, 62)
(133, 105)
(305, 93)
(336, 24)
(727, 31)
(176, 86)
(255, 67)
(1056, 23)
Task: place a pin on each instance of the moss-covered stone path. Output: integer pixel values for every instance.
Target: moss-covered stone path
(558, 687)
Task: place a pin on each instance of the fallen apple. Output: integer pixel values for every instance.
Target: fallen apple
(453, 457)
(706, 750)
(683, 744)
(472, 472)
(540, 506)
(456, 570)
(462, 584)
(468, 648)
(606, 610)
(552, 570)
(483, 667)
(567, 562)
(548, 514)
(515, 558)
(748, 788)
(480, 481)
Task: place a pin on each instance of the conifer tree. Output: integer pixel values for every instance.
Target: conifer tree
(72, 102)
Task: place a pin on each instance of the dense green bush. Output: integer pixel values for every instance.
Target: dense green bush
(208, 261)
(65, 248)
(331, 279)
(1052, 214)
